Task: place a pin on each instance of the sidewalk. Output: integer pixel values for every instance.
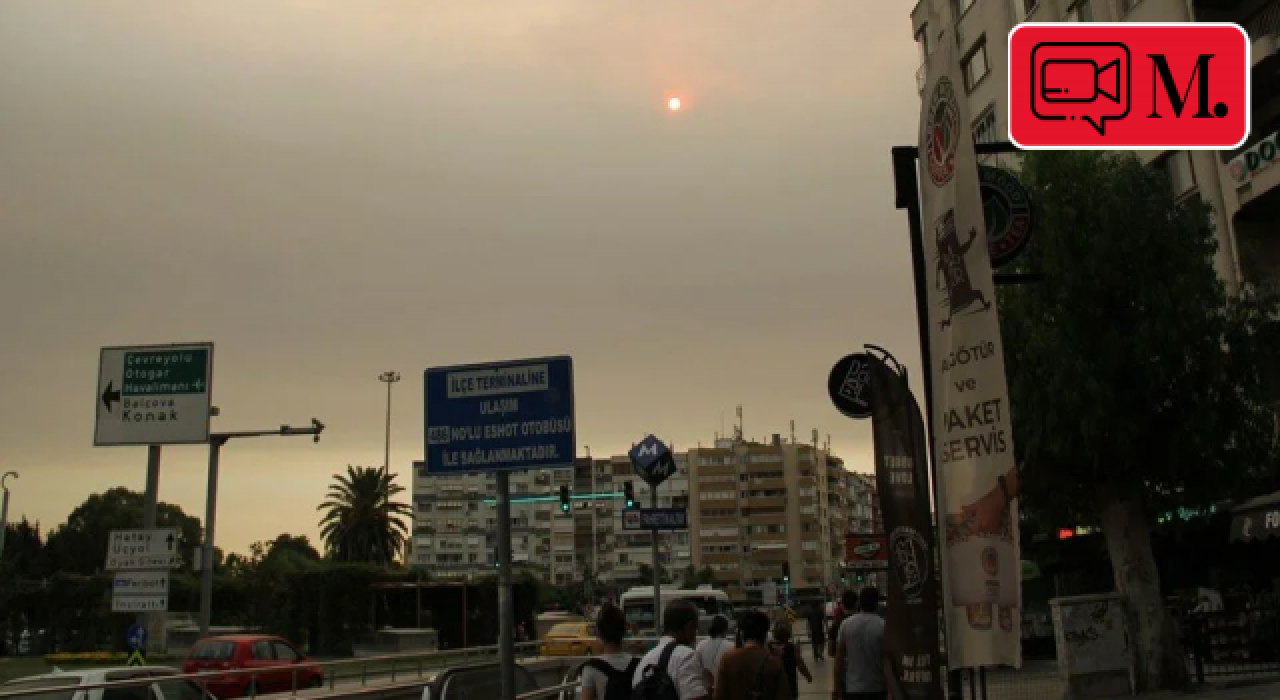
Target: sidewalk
(1040, 681)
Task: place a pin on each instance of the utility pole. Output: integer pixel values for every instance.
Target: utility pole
(4, 507)
(388, 378)
(216, 441)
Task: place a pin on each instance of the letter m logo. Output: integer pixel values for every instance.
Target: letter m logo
(649, 450)
(1162, 76)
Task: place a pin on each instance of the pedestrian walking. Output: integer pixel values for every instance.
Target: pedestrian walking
(817, 630)
(752, 672)
(792, 664)
(858, 671)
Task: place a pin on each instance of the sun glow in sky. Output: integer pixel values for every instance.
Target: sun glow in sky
(674, 104)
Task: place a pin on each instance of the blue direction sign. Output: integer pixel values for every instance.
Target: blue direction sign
(137, 637)
(655, 519)
(501, 416)
(652, 460)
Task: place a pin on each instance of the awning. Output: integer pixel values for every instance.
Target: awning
(1256, 519)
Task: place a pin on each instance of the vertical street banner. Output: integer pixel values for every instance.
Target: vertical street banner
(902, 480)
(978, 484)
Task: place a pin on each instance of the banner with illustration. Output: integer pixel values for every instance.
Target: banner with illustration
(902, 482)
(973, 437)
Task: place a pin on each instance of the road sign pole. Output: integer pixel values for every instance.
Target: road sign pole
(657, 572)
(150, 502)
(506, 602)
(210, 515)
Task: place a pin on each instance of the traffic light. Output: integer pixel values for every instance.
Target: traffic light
(564, 499)
(786, 571)
(629, 494)
(859, 577)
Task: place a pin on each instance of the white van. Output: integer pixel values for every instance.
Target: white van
(637, 605)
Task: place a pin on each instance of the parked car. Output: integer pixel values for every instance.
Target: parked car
(55, 686)
(282, 668)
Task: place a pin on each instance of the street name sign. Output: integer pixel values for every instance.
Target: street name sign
(140, 591)
(500, 416)
(134, 550)
(655, 519)
(153, 395)
(652, 460)
(140, 603)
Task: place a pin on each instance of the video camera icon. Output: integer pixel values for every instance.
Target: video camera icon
(1085, 80)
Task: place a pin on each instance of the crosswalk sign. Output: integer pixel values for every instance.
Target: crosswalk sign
(136, 659)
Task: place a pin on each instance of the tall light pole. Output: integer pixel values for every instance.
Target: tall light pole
(4, 507)
(388, 378)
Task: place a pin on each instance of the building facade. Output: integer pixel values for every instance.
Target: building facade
(1242, 186)
(751, 505)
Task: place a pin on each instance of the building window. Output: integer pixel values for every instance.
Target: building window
(976, 66)
(1177, 166)
(984, 127)
(1082, 11)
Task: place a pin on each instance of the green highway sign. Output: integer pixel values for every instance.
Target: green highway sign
(154, 395)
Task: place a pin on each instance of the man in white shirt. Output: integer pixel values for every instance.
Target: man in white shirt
(679, 627)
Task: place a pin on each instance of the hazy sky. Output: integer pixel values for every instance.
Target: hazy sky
(328, 189)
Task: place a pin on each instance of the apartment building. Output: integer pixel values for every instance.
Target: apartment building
(754, 506)
(455, 524)
(1243, 186)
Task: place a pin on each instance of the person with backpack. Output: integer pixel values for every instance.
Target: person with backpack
(711, 650)
(753, 672)
(786, 650)
(608, 676)
(671, 669)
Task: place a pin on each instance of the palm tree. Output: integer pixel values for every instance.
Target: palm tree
(361, 522)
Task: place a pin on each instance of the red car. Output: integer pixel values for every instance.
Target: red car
(280, 663)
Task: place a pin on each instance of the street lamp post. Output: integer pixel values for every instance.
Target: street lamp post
(216, 441)
(4, 507)
(388, 378)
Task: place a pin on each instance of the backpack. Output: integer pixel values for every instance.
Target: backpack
(618, 683)
(656, 683)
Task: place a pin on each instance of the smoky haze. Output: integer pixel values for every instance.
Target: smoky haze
(331, 189)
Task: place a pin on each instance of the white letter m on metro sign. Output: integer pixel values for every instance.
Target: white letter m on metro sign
(647, 450)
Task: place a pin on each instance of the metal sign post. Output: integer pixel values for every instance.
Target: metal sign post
(506, 600)
(216, 441)
(498, 418)
(653, 462)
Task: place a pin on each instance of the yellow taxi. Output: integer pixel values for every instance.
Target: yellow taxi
(571, 639)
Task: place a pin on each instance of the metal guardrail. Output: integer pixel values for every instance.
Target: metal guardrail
(389, 666)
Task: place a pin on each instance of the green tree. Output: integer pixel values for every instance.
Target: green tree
(362, 522)
(692, 577)
(25, 552)
(80, 545)
(1137, 384)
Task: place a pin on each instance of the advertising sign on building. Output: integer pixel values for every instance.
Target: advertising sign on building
(866, 552)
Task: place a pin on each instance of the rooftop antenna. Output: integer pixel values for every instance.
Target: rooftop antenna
(738, 431)
(793, 432)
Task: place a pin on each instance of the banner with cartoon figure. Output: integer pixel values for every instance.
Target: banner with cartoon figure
(973, 441)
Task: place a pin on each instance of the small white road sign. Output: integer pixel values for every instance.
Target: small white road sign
(140, 591)
(153, 395)
(133, 550)
(140, 603)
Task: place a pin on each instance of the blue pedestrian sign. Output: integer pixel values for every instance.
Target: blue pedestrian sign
(500, 416)
(652, 460)
(137, 637)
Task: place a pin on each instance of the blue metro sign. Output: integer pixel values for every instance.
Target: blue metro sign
(652, 460)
